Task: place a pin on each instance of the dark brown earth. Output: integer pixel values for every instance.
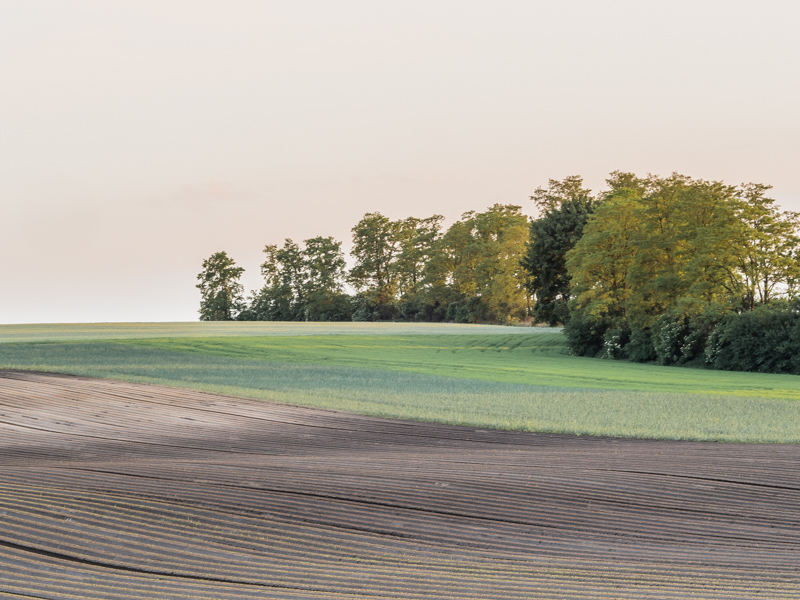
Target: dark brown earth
(114, 490)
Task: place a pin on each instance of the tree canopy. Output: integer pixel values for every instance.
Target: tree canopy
(301, 283)
(566, 207)
(220, 290)
(661, 255)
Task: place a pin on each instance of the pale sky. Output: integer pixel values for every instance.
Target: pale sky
(138, 137)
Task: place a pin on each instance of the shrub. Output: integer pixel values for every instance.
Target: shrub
(669, 339)
(681, 339)
(457, 312)
(640, 348)
(364, 309)
(585, 335)
(765, 340)
(325, 306)
(614, 342)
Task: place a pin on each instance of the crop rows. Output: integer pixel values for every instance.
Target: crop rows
(113, 490)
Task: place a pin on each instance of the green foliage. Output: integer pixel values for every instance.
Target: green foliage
(668, 257)
(301, 284)
(366, 309)
(375, 247)
(500, 235)
(614, 342)
(475, 269)
(585, 334)
(670, 339)
(324, 305)
(323, 264)
(601, 259)
(391, 262)
(551, 237)
(765, 247)
(557, 192)
(640, 347)
(765, 340)
(458, 311)
(221, 292)
(416, 308)
(679, 339)
(644, 264)
(448, 274)
(416, 239)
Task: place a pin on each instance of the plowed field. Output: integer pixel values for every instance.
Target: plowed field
(112, 490)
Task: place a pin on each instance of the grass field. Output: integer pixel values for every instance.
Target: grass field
(516, 378)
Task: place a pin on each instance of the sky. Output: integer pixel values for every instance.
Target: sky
(138, 137)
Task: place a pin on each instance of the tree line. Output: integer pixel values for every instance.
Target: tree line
(409, 269)
(668, 269)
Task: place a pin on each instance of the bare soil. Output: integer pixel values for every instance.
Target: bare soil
(112, 490)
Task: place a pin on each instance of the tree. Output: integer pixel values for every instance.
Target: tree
(416, 241)
(284, 274)
(598, 264)
(664, 245)
(324, 265)
(683, 224)
(448, 274)
(475, 269)
(711, 274)
(765, 246)
(557, 192)
(323, 292)
(501, 234)
(552, 235)
(665, 259)
(301, 284)
(221, 292)
(375, 247)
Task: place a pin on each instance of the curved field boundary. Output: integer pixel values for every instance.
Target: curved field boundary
(51, 332)
(113, 490)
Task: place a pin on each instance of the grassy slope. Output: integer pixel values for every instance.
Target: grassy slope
(485, 379)
(540, 358)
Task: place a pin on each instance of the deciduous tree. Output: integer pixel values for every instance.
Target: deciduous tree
(552, 235)
(476, 267)
(221, 292)
(766, 246)
(375, 247)
(301, 284)
(416, 240)
(598, 264)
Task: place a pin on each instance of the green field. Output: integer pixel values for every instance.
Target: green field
(518, 378)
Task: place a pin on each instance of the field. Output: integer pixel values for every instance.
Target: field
(497, 377)
(363, 461)
(118, 491)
